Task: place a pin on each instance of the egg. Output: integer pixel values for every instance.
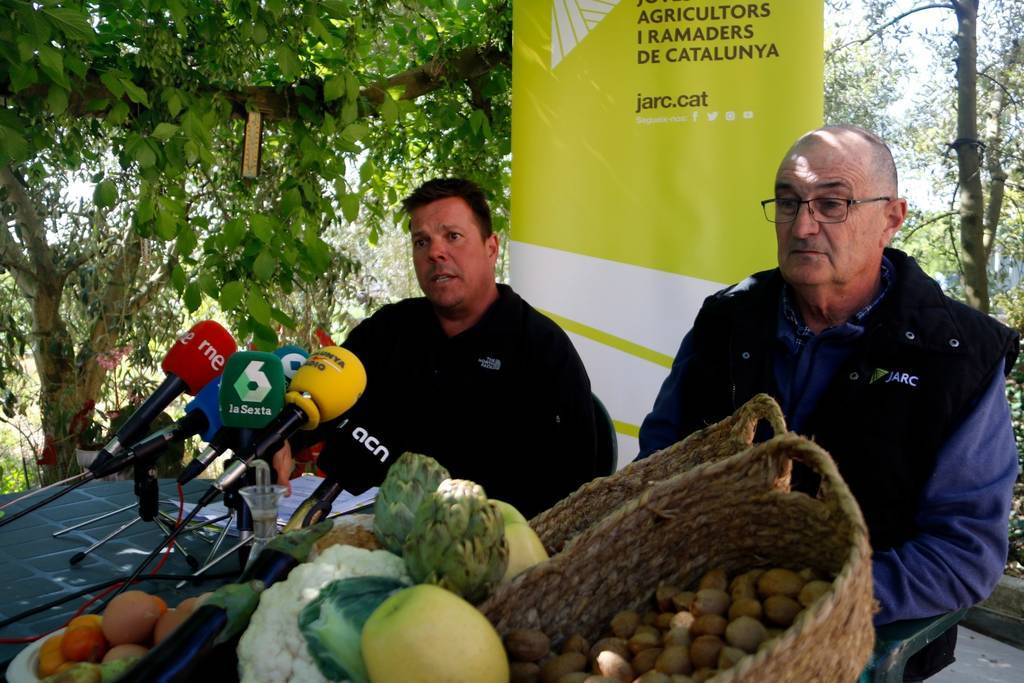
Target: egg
(124, 652)
(130, 618)
(168, 622)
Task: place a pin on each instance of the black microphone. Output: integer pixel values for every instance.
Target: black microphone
(354, 458)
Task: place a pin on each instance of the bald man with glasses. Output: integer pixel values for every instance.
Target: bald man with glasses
(902, 385)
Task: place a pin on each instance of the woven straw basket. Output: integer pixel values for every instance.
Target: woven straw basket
(592, 501)
(738, 514)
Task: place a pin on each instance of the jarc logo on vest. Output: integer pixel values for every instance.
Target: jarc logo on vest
(896, 376)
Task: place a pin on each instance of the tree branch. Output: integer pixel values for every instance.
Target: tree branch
(12, 252)
(282, 104)
(892, 22)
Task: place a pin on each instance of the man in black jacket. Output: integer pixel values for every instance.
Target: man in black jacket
(469, 374)
(863, 351)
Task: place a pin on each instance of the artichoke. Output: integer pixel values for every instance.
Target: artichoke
(458, 541)
(408, 482)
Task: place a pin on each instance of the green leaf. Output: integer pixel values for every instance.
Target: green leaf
(233, 233)
(193, 297)
(118, 114)
(174, 104)
(144, 210)
(51, 60)
(351, 86)
(476, 119)
(57, 99)
(187, 242)
(180, 15)
(349, 111)
(263, 227)
(22, 76)
(165, 131)
(105, 194)
(135, 93)
(283, 318)
(288, 62)
(264, 266)
(71, 22)
(336, 8)
(13, 146)
(350, 207)
(208, 283)
(178, 279)
(259, 33)
(355, 131)
(367, 170)
(319, 254)
(166, 226)
(231, 295)
(388, 110)
(112, 79)
(290, 201)
(334, 87)
(138, 148)
(258, 307)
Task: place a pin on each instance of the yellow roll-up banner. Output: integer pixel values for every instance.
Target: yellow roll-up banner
(644, 135)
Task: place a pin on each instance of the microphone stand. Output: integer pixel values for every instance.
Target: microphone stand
(147, 491)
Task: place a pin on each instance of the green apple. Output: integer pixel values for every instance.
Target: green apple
(524, 549)
(426, 634)
(508, 512)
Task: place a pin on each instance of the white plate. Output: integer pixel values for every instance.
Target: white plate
(23, 667)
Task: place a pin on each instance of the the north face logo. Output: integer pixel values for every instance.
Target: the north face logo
(489, 363)
(896, 376)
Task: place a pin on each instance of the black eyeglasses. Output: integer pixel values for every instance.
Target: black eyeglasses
(822, 209)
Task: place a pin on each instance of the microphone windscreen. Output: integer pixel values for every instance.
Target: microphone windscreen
(198, 355)
(333, 378)
(251, 390)
(207, 402)
(292, 357)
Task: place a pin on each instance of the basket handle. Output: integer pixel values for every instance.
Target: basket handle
(779, 452)
(759, 407)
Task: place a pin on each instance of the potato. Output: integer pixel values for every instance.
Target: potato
(524, 672)
(614, 665)
(674, 659)
(745, 607)
(575, 677)
(728, 657)
(663, 596)
(745, 585)
(616, 645)
(704, 651)
(644, 640)
(813, 590)
(781, 609)
(745, 633)
(664, 621)
(683, 599)
(780, 582)
(681, 620)
(705, 674)
(715, 579)
(708, 625)
(710, 601)
(624, 623)
(553, 669)
(526, 645)
(676, 636)
(644, 660)
(576, 643)
(653, 676)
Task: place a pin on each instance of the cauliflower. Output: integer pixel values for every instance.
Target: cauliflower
(272, 649)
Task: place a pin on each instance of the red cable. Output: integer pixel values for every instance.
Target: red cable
(109, 589)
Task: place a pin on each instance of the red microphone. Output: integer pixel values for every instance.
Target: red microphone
(196, 358)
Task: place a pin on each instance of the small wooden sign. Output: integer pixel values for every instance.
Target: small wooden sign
(252, 147)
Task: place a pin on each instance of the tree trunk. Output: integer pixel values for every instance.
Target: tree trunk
(968, 150)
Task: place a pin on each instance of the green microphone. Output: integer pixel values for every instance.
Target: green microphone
(251, 390)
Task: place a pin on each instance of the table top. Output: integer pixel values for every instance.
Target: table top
(35, 568)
